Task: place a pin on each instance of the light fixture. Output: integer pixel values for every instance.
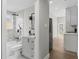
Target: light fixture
(51, 2)
(56, 8)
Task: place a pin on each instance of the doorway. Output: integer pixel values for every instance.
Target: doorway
(50, 35)
(63, 30)
(58, 40)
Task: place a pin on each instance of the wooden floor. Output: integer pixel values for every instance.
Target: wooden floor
(58, 51)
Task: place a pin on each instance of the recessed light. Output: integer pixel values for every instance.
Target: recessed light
(51, 2)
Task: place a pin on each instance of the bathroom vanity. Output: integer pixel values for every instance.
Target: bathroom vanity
(28, 46)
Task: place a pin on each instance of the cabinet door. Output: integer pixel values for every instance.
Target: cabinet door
(67, 19)
(71, 42)
(74, 15)
(31, 44)
(26, 47)
(68, 15)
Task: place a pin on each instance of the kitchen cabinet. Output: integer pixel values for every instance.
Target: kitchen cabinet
(71, 18)
(71, 42)
(68, 15)
(68, 19)
(74, 15)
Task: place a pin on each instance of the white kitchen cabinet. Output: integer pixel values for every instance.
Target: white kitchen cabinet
(71, 42)
(67, 19)
(74, 15)
(71, 18)
(68, 15)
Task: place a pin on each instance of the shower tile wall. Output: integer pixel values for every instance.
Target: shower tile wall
(25, 13)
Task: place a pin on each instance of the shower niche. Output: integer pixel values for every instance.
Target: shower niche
(28, 48)
(32, 21)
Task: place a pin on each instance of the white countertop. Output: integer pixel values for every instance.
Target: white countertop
(71, 33)
(31, 37)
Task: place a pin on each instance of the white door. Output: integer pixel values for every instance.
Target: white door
(60, 29)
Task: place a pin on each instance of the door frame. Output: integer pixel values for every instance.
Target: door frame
(3, 29)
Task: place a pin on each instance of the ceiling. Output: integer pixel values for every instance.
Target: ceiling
(64, 3)
(15, 5)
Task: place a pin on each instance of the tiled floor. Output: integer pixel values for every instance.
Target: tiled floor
(21, 57)
(17, 57)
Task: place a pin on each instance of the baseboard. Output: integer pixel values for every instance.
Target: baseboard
(71, 52)
(47, 56)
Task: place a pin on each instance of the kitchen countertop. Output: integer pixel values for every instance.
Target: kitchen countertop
(71, 33)
(30, 37)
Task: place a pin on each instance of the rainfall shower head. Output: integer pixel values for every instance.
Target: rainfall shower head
(12, 13)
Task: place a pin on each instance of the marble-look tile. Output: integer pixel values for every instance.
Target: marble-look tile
(21, 57)
(17, 57)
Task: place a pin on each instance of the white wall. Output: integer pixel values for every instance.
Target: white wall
(37, 30)
(4, 32)
(60, 12)
(43, 28)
